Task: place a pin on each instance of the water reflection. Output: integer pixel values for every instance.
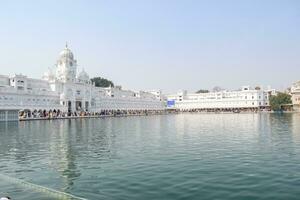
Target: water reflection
(295, 127)
(62, 152)
(165, 157)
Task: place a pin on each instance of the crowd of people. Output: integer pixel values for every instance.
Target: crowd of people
(53, 114)
(226, 110)
(56, 114)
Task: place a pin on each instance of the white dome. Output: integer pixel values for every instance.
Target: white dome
(296, 85)
(48, 75)
(83, 76)
(66, 53)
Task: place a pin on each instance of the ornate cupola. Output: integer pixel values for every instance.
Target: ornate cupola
(83, 77)
(66, 66)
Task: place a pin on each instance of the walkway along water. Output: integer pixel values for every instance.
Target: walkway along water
(26, 115)
(46, 115)
(48, 191)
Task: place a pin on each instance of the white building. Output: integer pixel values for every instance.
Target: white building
(64, 89)
(246, 98)
(295, 92)
(157, 93)
(20, 92)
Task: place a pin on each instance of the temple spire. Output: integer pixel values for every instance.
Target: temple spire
(66, 45)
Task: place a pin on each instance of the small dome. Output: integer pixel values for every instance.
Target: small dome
(83, 76)
(297, 84)
(48, 75)
(66, 53)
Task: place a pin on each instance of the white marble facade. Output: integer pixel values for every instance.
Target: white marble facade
(295, 92)
(64, 89)
(245, 98)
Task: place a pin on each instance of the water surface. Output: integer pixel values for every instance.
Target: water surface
(185, 156)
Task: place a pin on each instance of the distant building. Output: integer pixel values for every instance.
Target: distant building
(62, 88)
(157, 93)
(246, 98)
(295, 92)
(271, 91)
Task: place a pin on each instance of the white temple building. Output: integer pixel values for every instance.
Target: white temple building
(65, 89)
(295, 92)
(62, 88)
(245, 98)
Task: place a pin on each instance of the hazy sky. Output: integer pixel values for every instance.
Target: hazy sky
(150, 44)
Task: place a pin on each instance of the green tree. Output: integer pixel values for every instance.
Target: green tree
(276, 101)
(202, 91)
(217, 89)
(102, 82)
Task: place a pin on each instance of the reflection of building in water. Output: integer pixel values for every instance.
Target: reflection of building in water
(296, 128)
(64, 153)
(64, 88)
(73, 140)
(219, 123)
(9, 115)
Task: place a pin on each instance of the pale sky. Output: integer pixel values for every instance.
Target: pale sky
(157, 44)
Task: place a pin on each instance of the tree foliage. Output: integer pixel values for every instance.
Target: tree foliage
(102, 82)
(257, 88)
(217, 89)
(202, 91)
(276, 101)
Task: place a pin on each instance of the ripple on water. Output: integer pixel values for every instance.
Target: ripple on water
(188, 156)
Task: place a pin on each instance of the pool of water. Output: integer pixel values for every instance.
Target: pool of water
(184, 156)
